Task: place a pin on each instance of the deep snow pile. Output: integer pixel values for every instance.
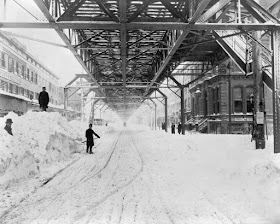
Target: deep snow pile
(241, 182)
(40, 138)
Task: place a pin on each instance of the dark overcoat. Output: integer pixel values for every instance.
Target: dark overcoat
(89, 136)
(43, 99)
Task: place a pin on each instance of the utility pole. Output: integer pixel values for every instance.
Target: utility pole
(183, 110)
(229, 96)
(275, 39)
(258, 113)
(82, 101)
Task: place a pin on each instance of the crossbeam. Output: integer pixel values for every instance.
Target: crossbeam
(141, 25)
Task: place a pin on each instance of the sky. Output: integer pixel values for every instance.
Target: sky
(57, 59)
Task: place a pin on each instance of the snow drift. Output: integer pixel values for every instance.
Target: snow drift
(40, 138)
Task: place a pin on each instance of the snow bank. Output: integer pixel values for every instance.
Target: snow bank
(243, 183)
(39, 139)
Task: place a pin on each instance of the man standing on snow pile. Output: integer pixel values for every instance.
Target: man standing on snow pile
(43, 99)
(89, 136)
(8, 126)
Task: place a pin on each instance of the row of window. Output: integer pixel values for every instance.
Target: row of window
(13, 43)
(14, 89)
(15, 67)
(242, 101)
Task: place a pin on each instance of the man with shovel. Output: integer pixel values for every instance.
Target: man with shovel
(89, 136)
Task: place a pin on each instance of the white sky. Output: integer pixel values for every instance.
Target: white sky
(59, 60)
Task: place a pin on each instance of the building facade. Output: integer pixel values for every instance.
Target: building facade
(22, 77)
(220, 102)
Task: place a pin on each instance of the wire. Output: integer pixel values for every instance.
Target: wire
(26, 10)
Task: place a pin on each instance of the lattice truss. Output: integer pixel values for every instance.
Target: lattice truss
(128, 47)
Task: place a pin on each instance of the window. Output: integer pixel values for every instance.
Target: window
(14, 65)
(10, 88)
(5, 86)
(250, 105)
(17, 68)
(36, 78)
(32, 76)
(3, 60)
(11, 64)
(16, 90)
(2, 84)
(237, 100)
(217, 99)
(27, 74)
(23, 71)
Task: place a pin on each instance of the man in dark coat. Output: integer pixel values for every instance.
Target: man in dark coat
(8, 126)
(89, 136)
(173, 128)
(179, 128)
(43, 99)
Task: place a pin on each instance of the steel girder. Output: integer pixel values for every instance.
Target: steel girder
(130, 41)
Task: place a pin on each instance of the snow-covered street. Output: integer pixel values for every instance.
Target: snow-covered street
(137, 175)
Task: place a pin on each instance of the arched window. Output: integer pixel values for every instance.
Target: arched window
(249, 101)
(237, 100)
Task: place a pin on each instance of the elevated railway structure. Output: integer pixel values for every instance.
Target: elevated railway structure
(129, 47)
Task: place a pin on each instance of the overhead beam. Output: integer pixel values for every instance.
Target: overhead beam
(106, 10)
(71, 9)
(171, 9)
(181, 38)
(41, 5)
(262, 10)
(140, 25)
(123, 38)
(139, 10)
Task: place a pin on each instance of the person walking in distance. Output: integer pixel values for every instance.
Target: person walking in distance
(173, 128)
(179, 128)
(43, 99)
(89, 136)
(8, 126)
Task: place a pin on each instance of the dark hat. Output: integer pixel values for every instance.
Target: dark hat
(9, 120)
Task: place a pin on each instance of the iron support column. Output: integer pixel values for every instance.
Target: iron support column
(275, 39)
(92, 111)
(165, 113)
(3, 8)
(155, 122)
(65, 98)
(165, 108)
(183, 110)
(258, 133)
